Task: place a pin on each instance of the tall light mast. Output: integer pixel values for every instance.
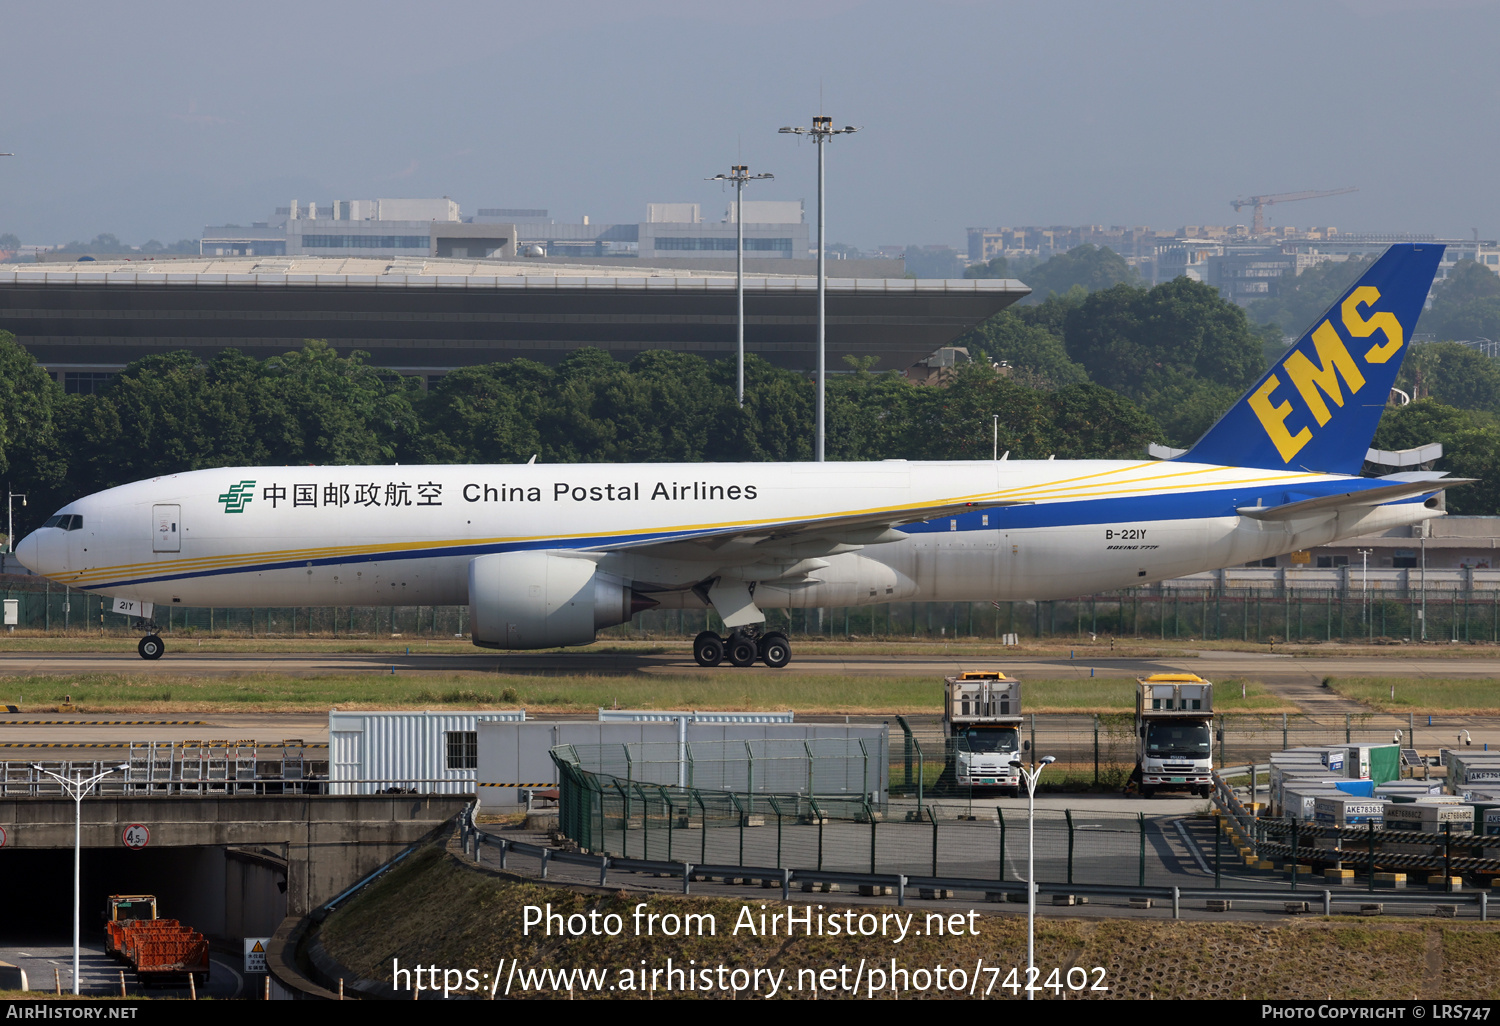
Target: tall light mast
(821, 131)
(739, 174)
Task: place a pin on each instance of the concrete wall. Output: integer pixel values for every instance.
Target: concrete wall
(327, 842)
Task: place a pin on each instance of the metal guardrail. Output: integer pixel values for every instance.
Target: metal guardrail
(473, 840)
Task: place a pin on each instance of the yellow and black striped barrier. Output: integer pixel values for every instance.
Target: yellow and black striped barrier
(103, 723)
(162, 745)
(546, 784)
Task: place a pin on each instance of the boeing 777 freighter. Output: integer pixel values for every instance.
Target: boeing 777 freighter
(545, 556)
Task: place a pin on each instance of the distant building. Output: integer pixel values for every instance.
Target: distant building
(773, 230)
(381, 227)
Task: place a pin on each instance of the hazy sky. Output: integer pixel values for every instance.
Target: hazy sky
(152, 120)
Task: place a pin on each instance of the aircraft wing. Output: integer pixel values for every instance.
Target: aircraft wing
(866, 527)
(1408, 486)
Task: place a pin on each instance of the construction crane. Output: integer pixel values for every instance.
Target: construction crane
(1261, 202)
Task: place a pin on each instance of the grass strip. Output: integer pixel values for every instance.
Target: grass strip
(732, 690)
(1473, 695)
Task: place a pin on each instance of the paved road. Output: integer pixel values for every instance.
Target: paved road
(50, 962)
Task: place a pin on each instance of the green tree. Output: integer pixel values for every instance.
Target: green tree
(1453, 374)
(1466, 304)
(33, 454)
(1090, 422)
(996, 268)
(495, 413)
(1471, 449)
(1089, 266)
(1301, 300)
(1143, 341)
(1038, 356)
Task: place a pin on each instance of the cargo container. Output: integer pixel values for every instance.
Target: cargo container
(1299, 802)
(1342, 811)
(1431, 817)
(1378, 762)
(417, 752)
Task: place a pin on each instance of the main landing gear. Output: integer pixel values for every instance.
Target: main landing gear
(745, 647)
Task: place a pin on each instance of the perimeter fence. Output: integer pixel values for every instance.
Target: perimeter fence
(730, 819)
(1452, 613)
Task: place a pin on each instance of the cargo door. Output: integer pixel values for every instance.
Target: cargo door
(167, 522)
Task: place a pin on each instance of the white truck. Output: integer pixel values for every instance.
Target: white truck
(1174, 730)
(982, 724)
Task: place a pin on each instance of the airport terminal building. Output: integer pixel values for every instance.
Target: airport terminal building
(425, 315)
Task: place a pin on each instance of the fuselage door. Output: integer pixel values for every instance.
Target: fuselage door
(166, 521)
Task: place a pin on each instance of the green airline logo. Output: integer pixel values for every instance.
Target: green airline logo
(238, 495)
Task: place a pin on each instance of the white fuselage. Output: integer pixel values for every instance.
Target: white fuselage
(306, 536)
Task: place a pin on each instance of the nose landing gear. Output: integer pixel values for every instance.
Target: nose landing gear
(151, 646)
(745, 647)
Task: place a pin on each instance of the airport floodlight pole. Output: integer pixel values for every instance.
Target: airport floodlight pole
(739, 174)
(10, 518)
(1030, 778)
(78, 789)
(821, 131)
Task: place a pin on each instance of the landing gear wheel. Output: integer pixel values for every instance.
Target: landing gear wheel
(742, 651)
(708, 649)
(775, 650)
(151, 647)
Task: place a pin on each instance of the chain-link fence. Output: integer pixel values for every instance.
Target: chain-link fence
(1215, 612)
(763, 804)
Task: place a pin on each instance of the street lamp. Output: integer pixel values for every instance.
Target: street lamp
(10, 519)
(821, 131)
(739, 174)
(1364, 586)
(78, 788)
(1030, 778)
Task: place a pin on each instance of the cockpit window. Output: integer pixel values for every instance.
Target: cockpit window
(53, 521)
(65, 522)
(74, 522)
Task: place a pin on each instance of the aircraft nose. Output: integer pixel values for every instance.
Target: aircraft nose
(27, 551)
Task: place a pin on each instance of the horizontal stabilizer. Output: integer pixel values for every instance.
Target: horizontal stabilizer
(1351, 500)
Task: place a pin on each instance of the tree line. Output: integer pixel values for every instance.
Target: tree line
(1097, 367)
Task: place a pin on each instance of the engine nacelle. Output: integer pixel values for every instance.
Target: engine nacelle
(542, 599)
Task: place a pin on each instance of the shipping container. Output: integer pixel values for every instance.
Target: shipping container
(407, 752)
(1337, 810)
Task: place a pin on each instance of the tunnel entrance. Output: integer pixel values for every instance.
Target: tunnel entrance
(225, 893)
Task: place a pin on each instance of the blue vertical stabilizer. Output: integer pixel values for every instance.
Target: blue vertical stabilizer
(1317, 408)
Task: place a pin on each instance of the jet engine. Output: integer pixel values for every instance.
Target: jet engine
(541, 599)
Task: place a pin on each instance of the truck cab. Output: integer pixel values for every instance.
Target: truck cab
(1174, 733)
